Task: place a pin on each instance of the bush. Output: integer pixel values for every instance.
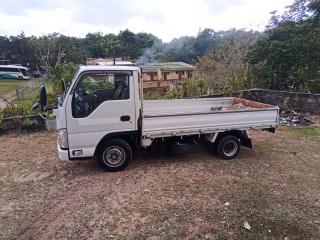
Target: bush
(19, 110)
(174, 94)
(193, 87)
(154, 95)
(29, 122)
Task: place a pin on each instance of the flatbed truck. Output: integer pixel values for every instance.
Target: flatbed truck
(103, 114)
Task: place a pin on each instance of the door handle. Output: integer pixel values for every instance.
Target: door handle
(125, 118)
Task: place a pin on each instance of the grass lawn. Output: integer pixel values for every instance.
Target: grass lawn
(8, 86)
(8, 90)
(30, 96)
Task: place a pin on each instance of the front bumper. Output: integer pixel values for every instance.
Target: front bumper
(63, 154)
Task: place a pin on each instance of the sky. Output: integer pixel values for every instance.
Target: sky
(166, 19)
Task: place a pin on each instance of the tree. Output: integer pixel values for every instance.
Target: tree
(63, 71)
(73, 49)
(287, 56)
(225, 67)
(94, 43)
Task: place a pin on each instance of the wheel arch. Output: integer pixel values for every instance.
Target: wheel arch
(245, 140)
(130, 137)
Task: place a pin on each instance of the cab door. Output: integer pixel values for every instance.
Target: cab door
(102, 103)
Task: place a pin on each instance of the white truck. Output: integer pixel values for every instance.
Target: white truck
(102, 114)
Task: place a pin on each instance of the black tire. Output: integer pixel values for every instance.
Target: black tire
(114, 155)
(1, 77)
(20, 78)
(228, 147)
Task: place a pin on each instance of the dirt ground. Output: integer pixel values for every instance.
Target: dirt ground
(273, 189)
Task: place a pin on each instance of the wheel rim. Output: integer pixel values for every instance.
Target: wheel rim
(230, 148)
(114, 156)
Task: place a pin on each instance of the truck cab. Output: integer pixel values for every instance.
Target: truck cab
(101, 102)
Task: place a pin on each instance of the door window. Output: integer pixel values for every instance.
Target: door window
(95, 88)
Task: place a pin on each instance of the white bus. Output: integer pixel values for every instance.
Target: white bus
(14, 71)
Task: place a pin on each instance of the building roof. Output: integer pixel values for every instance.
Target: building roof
(167, 66)
(148, 68)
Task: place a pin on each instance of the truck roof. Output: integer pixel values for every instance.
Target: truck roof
(108, 67)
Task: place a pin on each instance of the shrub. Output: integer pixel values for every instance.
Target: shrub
(19, 110)
(27, 122)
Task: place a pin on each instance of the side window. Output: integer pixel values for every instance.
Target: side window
(96, 88)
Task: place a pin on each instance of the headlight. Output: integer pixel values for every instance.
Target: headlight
(63, 138)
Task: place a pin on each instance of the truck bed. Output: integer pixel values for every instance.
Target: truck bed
(165, 118)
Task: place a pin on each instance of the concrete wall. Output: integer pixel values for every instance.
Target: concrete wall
(286, 100)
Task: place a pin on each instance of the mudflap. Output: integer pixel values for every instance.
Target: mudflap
(272, 130)
(245, 139)
(246, 142)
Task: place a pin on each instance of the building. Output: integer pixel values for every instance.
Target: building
(162, 75)
(155, 75)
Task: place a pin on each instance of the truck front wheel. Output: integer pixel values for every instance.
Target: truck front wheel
(114, 155)
(228, 147)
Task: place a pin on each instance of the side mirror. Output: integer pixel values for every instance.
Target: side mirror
(43, 96)
(35, 106)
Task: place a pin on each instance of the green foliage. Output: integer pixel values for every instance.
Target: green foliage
(49, 115)
(34, 96)
(174, 94)
(64, 71)
(188, 49)
(192, 87)
(153, 95)
(90, 86)
(287, 56)
(18, 110)
(51, 99)
(235, 84)
(27, 122)
(47, 51)
(225, 69)
(309, 132)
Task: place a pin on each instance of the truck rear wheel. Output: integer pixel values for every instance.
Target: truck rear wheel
(228, 147)
(114, 155)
